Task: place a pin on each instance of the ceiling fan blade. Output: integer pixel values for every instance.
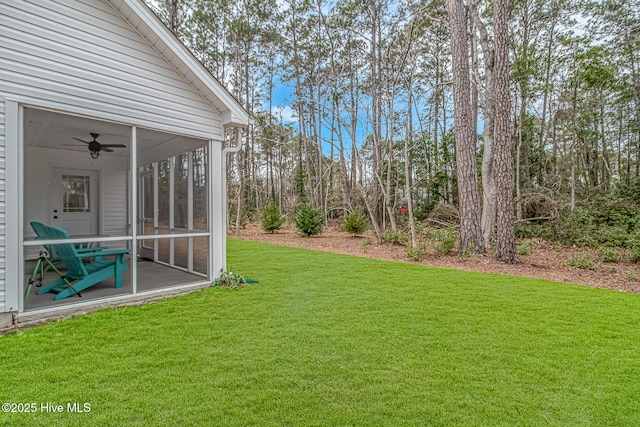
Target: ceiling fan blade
(108, 150)
(78, 139)
(113, 145)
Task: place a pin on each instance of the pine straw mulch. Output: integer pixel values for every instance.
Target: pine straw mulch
(545, 261)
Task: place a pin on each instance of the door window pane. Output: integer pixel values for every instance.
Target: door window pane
(75, 197)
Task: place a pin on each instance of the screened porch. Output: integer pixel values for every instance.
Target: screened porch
(146, 193)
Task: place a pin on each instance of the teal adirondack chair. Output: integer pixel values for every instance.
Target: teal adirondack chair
(80, 275)
(48, 259)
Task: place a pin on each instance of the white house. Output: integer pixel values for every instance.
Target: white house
(112, 130)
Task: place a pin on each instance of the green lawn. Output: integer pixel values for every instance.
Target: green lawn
(332, 340)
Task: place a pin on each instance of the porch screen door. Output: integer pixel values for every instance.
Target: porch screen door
(146, 211)
(74, 203)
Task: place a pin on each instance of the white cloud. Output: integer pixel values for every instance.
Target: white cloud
(284, 112)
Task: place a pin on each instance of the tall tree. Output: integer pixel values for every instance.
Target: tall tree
(488, 101)
(505, 244)
(470, 233)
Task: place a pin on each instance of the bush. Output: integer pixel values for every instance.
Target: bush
(577, 228)
(582, 260)
(445, 240)
(272, 219)
(524, 249)
(355, 222)
(634, 246)
(609, 254)
(396, 237)
(415, 253)
(309, 220)
(542, 230)
(605, 222)
(229, 279)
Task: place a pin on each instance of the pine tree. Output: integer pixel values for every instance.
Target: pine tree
(355, 222)
(506, 244)
(470, 232)
(309, 220)
(272, 219)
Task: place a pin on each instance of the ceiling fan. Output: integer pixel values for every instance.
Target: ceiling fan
(95, 147)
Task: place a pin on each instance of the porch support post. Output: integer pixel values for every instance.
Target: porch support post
(190, 211)
(14, 259)
(211, 201)
(133, 167)
(216, 209)
(155, 210)
(172, 206)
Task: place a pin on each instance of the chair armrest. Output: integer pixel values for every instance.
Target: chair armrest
(96, 249)
(105, 253)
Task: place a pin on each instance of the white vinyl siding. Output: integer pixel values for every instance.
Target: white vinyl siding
(83, 54)
(3, 240)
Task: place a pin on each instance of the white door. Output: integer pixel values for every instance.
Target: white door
(74, 201)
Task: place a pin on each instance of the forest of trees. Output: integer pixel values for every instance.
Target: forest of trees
(545, 131)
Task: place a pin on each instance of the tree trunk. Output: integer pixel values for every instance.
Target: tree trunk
(521, 117)
(407, 165)
(470, 232)
(545, 95)
(488, 219)
(505, 244)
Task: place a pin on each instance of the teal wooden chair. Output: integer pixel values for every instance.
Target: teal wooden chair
(80, 275)
(49, 260)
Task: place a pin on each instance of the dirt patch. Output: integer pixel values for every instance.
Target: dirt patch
(544, 261)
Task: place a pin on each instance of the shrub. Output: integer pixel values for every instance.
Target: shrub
(415, 253)
(634, 246)
(229, 279)
(605, 222)
(396, 237)
(523, 249)
(609, 254)
(355, 222)
(611, 235)
(445, 240)
(634, 254)
(582, 260)
(577, 228)
(272, 219)
(543, 230)
(309, 220)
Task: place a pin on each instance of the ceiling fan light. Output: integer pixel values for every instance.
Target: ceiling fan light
(95, 154)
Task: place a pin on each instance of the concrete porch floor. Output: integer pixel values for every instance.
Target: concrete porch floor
(151, 276)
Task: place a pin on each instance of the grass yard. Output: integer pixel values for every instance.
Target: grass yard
(332, 340)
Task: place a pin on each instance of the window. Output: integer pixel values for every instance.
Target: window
(75, 197)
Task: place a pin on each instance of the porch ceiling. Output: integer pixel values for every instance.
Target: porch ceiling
(48, 129)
